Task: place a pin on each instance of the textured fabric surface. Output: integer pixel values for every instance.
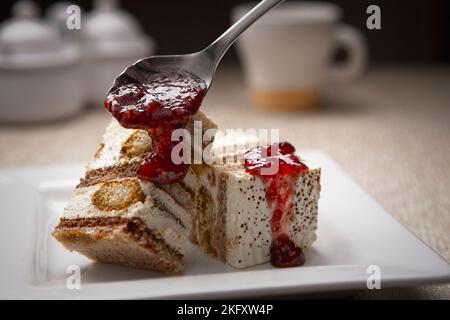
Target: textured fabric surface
(390, 131)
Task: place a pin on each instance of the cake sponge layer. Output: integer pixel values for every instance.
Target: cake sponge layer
(122, 241)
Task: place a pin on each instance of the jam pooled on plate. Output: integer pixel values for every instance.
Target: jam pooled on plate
(279, 169)
(164, 103)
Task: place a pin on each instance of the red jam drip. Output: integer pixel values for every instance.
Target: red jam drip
(280, 193)
(165, 102)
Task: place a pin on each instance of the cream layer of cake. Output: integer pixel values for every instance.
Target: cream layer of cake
(236, 219)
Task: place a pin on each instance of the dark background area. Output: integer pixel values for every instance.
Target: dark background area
(412, 31)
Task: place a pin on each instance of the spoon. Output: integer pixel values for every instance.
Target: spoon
(202, 64)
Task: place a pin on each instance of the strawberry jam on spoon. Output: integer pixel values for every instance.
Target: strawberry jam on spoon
(145, 97)
(164, 103)
(279, 169)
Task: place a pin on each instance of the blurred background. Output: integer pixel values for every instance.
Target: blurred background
(287, 59)
(413, 31)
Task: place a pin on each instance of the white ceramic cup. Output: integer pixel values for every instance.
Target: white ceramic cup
(287, 54)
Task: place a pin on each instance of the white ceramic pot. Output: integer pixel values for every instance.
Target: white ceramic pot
(40, 94)
(112, 40)
(40, 76)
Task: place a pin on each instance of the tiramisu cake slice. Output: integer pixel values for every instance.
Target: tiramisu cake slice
(246, 219)
(115, 217)
(128, 222)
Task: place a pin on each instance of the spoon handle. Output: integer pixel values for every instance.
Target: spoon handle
(218, 48)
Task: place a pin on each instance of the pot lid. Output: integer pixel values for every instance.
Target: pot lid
(110, 31)
(25, 33)
(27, 41)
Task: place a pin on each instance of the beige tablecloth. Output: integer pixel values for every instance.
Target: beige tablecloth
(390, 131)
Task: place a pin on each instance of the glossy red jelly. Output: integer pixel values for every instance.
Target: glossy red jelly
(162, 104)
(280, 192)
(284, 252)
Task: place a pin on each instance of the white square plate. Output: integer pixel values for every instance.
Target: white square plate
(354, 233)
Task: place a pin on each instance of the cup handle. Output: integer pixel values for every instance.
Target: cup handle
(354, 43)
